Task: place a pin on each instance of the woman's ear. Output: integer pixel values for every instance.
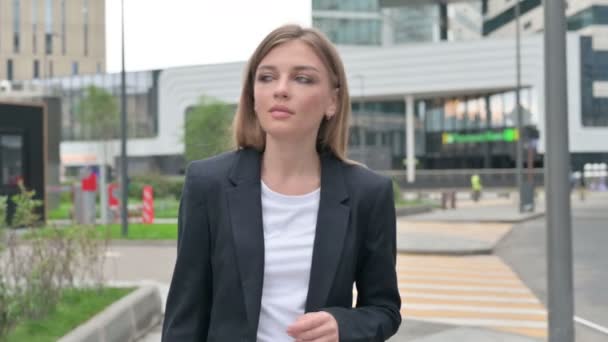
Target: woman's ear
(333, 105)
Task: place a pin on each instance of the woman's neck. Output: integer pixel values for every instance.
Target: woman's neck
(291, 168)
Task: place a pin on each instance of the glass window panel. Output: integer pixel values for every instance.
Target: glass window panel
(483, 112)
(450, 109)
(534, 105)
(497, 108)
(472, 113)
(509, 107)
(11, 150)
(524, 98)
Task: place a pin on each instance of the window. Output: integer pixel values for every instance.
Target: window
(51, 73)
(9, 69)
(593, 15)
(34, 26)
(85, 20)
(63, 43)
(594, 68)
(48, 32)
(508, 16)
(351, 31)
(509, 108)
(74, 68)
(11, 159)
(16, 24)
(346, 6)
(36, 69)
(498, 111)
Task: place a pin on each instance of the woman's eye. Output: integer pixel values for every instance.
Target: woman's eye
(304, 79)
(265, 78)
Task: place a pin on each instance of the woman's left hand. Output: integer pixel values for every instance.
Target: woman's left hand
(315, 327)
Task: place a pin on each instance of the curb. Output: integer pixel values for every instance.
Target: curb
(446, 252)
(125, 320)
(484, 220)
(413, 210)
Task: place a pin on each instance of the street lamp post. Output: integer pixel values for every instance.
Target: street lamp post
(557, 177)
(519, 116)
(123, 133)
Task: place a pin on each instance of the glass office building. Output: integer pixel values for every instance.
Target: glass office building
(472, 131)
(365, 22)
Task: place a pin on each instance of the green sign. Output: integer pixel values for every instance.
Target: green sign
(507, 135)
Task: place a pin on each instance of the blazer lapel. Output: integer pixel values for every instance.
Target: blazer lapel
(332, 224)
(244, 203)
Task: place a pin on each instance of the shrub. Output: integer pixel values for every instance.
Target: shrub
(26, 208)
(164, 186)
(34, 272)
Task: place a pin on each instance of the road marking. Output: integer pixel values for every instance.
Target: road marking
(486, 322)
(465, 288)
(591, 325)
(471, 298)
(470, 308)
(453, 278)
(468, 290)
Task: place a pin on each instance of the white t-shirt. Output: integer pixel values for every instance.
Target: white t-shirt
(289, 234)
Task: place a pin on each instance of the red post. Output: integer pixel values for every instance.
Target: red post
(113, 201)
(148, 205)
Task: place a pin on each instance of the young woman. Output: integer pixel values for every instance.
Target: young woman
(273, 235)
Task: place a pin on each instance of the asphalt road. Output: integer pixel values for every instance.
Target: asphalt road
(524, 249)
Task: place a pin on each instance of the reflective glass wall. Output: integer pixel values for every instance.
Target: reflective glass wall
(378, 132)
(142, 99)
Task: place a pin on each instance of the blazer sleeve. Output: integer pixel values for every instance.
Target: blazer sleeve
(189, 301)
(377, 314)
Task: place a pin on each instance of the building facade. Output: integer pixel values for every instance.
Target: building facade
(460, 96)
(42, 39)
(374, 23)
(589, 18)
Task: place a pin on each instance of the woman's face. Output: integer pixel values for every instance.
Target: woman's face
(293, 93)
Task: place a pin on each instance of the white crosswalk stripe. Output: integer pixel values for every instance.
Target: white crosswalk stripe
(468, 291)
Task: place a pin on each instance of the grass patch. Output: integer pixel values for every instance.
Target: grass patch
(75, 307)
(137, 231)
(140, 231)
(62, 212)
(163, 208)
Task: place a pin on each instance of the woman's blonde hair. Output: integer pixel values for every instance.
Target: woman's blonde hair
(333, 133)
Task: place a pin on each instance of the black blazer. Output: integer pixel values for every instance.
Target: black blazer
(216, 290)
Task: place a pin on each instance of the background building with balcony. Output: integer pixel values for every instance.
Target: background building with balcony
(41, 39)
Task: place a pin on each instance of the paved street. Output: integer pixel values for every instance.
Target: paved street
(524, 249)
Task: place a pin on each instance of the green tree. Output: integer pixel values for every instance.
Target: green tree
(98, 114)
(207, 130)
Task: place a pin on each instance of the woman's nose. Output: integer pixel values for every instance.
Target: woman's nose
(282, 89)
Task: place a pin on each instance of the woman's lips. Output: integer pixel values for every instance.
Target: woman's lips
(280, 114)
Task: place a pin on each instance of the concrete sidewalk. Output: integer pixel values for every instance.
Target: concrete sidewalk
(471, 229)
(482, 213)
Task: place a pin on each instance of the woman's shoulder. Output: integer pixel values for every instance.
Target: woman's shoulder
(211, 168)
(358, 175)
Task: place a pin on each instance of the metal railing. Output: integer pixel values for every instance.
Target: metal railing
(461, 178)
